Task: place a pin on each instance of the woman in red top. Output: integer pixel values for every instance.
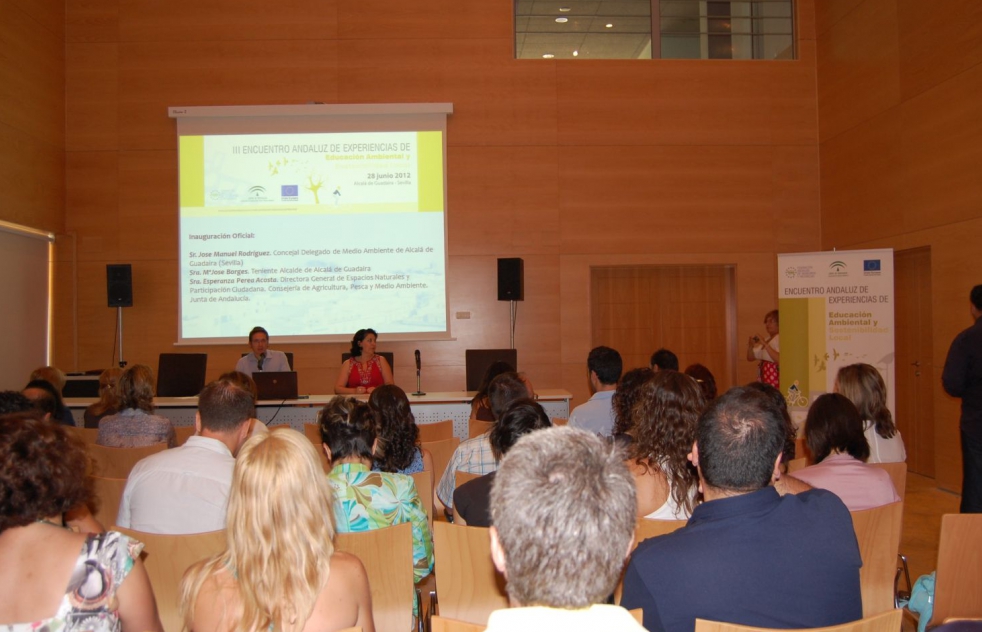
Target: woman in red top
(363, 371)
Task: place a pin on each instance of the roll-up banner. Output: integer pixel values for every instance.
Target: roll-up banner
(836, 309)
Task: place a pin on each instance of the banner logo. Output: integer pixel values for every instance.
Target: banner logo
(871, 267)
(838, 269)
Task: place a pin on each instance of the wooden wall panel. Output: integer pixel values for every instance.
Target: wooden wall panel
(862, 182)
(686, 103)
(641, 199)
(91, 86)
(156, 75)
(92, 21)
(795, 199)
(48, 14)
(503, 200)
(858, 75)
(937, 42)
(148, 206)
(382, 20)
(942, 140)
(475, 75)
(92, 200)
(32, 178)
(227, 20)
(32, 77)
(829, 12)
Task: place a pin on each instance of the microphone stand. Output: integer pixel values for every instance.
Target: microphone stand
(419, 391)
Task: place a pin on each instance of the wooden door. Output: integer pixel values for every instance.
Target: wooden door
(915, 372)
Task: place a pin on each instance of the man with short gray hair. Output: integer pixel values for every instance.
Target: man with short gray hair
(563, 506)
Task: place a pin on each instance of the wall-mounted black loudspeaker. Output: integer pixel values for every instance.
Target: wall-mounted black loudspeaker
(119, 284)
(511, 279)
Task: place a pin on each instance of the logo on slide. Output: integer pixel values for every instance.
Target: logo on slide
(289, 192)
(256, 194)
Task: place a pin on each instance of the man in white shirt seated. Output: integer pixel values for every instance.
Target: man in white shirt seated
(596, 415)
(262, 358)
(185, 489)
(563, 506)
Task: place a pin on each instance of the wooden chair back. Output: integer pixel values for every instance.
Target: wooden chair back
(437, 431)
(898, 474)
(88, 435)
(117, 462)
(958, 583)
(108, 493)
(468, 585)
(387, 555)
(461, 477)
(560, 421)
(796, 464)
(476, 427)
(444, 624)
(878, 534)
(652, 528)
(183, 433)
(884, 622)
(424, 487)
(166, 558)
(442, 452)
(278, 426)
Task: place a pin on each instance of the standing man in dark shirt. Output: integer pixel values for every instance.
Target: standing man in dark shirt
(748, 555)
(962, 377)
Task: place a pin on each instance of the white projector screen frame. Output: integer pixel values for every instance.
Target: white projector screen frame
(260, 244)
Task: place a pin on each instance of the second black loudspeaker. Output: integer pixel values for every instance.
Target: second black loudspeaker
(511, 279)
(119, 285)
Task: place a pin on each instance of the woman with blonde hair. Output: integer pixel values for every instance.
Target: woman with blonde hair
(279, 570)
(865, 388)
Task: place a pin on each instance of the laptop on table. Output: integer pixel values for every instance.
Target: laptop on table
(276, 384)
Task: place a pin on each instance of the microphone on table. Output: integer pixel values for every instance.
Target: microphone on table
(419, 391)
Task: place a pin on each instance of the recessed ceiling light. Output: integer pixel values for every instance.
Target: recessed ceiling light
(610, 26)
(564, 9)
(548, 56)
(576, 53)
(562, 20)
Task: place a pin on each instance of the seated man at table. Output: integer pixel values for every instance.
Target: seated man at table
(475, 455)
(185, 489)
(596, 415)
(261, 358)
(563, 506)
(748, 555)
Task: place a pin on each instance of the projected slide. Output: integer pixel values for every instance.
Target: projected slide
(314, 234)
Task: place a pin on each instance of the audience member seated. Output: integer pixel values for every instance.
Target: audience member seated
(260, 356)
(108, 403)
(14, 402)
(665, 415)
(475, 455)
(55, 377)
(363, 499)
(596, 415)
(865, 388)
(54, 578)
(471, 500)
(185, 490)
(135, 425)
(364, 371)
(280, 570)
(623, 401)
(398, 436)
(246, 383)
(664, 360)
(704, 377)
(47, 400)
(732, 561)
(563, 507)
(481, 405)
(786, 484)
(834, 435)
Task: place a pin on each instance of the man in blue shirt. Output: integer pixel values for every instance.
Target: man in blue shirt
(962, 377)
(596, 415)
(748, 555)
(262, 357)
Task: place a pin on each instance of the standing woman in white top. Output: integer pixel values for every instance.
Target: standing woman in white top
(865, 388)
(766, 351)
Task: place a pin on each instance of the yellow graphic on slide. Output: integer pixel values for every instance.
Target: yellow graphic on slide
(314, 187)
